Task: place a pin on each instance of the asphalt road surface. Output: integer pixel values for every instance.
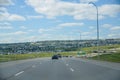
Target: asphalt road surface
(62, 69)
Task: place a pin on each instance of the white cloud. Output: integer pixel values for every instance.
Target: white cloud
(86, 33)
(6, 2)
(113, 35)
(115, 28)
(23, 27)
(106, 25)
(53, 8)
(3, 9)
(5, 16)
(6, 27)
(87, 1)
(17, 33)
(109, 10)
(42, 30)
(4, 23)
(35, 17)
(22, 6)
(70, 24)
(15, 17)
(31, 30)
(91, 27)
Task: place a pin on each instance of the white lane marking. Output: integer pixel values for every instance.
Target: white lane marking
(71, 69)
(33, 66)
(67, 64)
(19, 73)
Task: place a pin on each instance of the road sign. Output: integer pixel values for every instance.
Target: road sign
(81, 53)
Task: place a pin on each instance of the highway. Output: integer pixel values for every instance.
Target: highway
(62, 69)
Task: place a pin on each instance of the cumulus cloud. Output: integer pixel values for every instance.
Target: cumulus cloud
(6, 27)
(53, 8)
(115, 28)
(5, 16)
(91, 27)
(112, 35)
(86, 33)
(17, 33)
(6, 2)
(15, 17)
(111, 27)
(35, 17)
(87, 1)
(70, 24)
(109, 10)
(42, 30)
(23, 27)
(106, 25)
(5, 24)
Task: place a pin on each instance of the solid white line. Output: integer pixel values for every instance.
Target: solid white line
(71, 69)
(19, 73)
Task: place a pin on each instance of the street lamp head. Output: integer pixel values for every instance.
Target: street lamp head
(93, 4)
(90, 2)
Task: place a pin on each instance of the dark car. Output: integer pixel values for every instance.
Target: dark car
(55, 57)
(59, 56)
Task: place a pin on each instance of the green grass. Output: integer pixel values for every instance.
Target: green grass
(115, 57)
(73, 53)
(12, 57)
(90, 49)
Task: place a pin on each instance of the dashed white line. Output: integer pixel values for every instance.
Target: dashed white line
(71, 69)
(33, 66)
(67, 64)
(19, 73)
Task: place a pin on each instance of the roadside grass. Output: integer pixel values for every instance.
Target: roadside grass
(12, 57)
(72, 53)
(90, 49)
(115, 57)
(87, 50)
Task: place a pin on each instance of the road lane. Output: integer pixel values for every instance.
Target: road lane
(63, 69)
(8, 69)
(49, 70)
(90, 71)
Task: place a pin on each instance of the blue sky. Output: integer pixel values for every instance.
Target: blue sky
(38, 20)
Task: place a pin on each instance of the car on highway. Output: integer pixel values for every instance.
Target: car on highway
(59, 55)
(55, 57)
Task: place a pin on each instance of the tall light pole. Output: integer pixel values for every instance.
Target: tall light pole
(80, 42)
(97, 27)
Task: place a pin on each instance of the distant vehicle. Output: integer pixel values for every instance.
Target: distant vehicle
(55, 57)
(70, 56)
(59, 55)
(66, 56)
